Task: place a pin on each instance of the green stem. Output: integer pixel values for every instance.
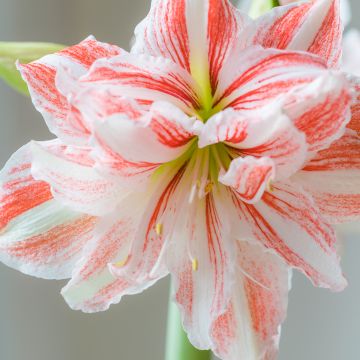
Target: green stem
(178, 346)
(260, 7)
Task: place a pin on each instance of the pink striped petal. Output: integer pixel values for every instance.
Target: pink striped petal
(322, 117)
(40, 77)
(135, 148)
(145, 261)
(92, 287)
(255, 77)
(249, 177)
(38, 235)
(72, 177)
(314, 26)
(143, 78)
(250, 326)
(201, 261)
(260, 133)
(333, 179)
(286, 221)
(355, 109)
(196, 35)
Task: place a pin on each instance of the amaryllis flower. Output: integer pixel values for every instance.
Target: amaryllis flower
(218, 150)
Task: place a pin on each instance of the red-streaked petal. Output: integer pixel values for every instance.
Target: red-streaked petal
(254, 77)
(333, 179)
(160, 135)
(314, 26)
(145, 260)
(130, 148)
(354, 123)
(249, 177)
(143, 78)
(92, 287)
(287, 222)
(201, 259)
(73, 179)
(250, 327)
(40, 77)
(324, 116)
(195, 35)
(266, 133)
(38, 235)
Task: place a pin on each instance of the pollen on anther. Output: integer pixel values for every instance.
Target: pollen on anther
(159, 229)
(195, 264)
(270, 186)
(209, 187)
(121, 263)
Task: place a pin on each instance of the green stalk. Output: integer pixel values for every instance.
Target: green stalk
(260, 7)
(178, 346)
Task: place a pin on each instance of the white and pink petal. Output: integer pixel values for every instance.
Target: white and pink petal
(201, 260)
(254, 77)
(73, 179)
(249, 177)
(38, 235)
(288, 222)
(324, 116)
(313, 26)
(92, 287)
(332, 177)
(196, 35)
(260, 133)
(143, 78)
(250, 326)
(40, 77)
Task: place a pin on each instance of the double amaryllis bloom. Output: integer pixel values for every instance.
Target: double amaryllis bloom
(219, 150)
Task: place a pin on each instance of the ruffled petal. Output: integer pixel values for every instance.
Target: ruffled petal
(201, 259)
(314, 26)
(249, 177)
(162, 134)
(145, 261)
(92, 287)
(74, 181)
(354, 123)
(259, 133)
(250, 326)
(333, 179)
(140, 77)
(38, 235)
(254, 77)
(40, 77)
(322, 117)
(286, 221)
(290, 79)
(132, 149)
(196, 35)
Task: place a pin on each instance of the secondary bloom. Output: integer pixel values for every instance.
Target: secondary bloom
(219, 150)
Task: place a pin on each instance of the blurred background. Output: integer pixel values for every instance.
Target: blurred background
(35, 322)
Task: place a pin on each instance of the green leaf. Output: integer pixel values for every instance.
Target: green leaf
(260, 7)
(25, 52)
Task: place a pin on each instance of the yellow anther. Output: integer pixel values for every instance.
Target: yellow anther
(270, 186)
(121, 263)
(209, 187)
(159, 229)
(195, 264)
(198, 184)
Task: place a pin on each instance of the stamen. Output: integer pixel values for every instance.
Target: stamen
(195, 265)
(159, 229)
(209, 187)
(270, 186)
(121, 263)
